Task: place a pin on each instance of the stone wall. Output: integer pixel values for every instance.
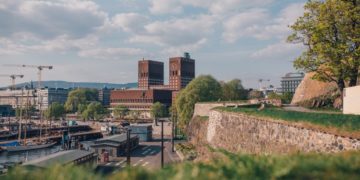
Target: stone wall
(242, 133)
(203, 109)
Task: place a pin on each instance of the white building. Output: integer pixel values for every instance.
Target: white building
(352, 100)
(17, 98)
(46, 96)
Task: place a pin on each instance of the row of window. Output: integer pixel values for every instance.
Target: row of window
(132, 101)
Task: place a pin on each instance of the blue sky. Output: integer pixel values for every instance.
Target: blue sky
(102, 40)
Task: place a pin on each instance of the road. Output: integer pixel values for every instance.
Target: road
(147, 155)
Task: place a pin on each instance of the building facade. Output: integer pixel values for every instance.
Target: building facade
(150, 73)
(140, 99)
(31, 97)
(47, 96)
(291, 81)
(18, 98)
(351, 100)
(104, 96)
(181, 71)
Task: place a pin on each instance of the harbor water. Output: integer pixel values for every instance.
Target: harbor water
(27, 155)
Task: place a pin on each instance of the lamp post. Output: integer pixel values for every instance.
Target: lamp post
(128, 160)
(173, 133)
(162, 143)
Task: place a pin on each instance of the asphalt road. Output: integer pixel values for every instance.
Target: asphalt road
(147, 155)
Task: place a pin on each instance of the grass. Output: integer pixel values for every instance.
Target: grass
(228, 166)
(187, 149)
(340, 122)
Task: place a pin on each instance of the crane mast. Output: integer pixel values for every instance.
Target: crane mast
(13, 77)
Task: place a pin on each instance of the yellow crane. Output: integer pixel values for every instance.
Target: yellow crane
(13, 77)
(39, 68)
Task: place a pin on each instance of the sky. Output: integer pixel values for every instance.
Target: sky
(102, 40)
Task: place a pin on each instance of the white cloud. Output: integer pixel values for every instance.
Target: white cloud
(165, 7)
(174, 33)
(112, 53)
(281, 50)
(130, 22)
(244, 24)
(259, 24)
(48, 19)
(184, 48)
(224, 6)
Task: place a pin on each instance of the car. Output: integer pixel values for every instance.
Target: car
(124, 123)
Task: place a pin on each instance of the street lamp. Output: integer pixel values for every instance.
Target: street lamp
(128, 160)
(162, 143)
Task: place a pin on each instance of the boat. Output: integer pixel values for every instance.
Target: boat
(6, 135)
(29, 147)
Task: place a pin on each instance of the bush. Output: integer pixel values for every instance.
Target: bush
(229, 166)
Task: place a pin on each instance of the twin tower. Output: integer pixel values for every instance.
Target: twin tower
(181, 72)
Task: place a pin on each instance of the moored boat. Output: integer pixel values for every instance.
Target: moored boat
(29, 147)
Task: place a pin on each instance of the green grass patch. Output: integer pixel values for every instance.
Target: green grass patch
(228, 166)
(350, 123)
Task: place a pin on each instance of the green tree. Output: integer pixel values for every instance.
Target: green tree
(94, 111)
(233, 90)
(121, 111)
(55, 110)
(274, 95)
(80, 96)
(330, 31)
(202, 89)
(287, 97)
(157, 111)
(134, 115)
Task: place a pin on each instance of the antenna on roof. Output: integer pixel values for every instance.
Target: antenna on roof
(187, 55)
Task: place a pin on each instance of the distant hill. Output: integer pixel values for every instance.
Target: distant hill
(66, 85)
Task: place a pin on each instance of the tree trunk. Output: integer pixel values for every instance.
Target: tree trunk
(354, 74)
(341, 86)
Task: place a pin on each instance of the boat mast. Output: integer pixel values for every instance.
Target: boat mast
(27, 116)
(21, 111)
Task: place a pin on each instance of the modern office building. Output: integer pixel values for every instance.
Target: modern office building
(18, 98)
(104, 96)
(32, 97)
(47, 96)
(291, 81)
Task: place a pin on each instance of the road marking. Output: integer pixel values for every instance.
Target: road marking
(141, 160)
(108, 163)
(145, 152)
(146, 163)
(118, 164)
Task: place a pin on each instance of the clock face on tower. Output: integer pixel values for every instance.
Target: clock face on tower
(173, 67)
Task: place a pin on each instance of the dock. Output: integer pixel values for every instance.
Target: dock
(63, 158)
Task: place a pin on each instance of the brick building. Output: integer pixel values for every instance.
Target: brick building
(140, 99)
(151, 88)
(151, 73)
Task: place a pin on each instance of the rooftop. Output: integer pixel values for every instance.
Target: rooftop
(116, 138)
(62, 157)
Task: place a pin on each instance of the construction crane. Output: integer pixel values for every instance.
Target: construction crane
(262, 80)
(40, 68)
(13, 77)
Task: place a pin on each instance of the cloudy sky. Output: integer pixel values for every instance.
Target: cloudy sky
(102, 40)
